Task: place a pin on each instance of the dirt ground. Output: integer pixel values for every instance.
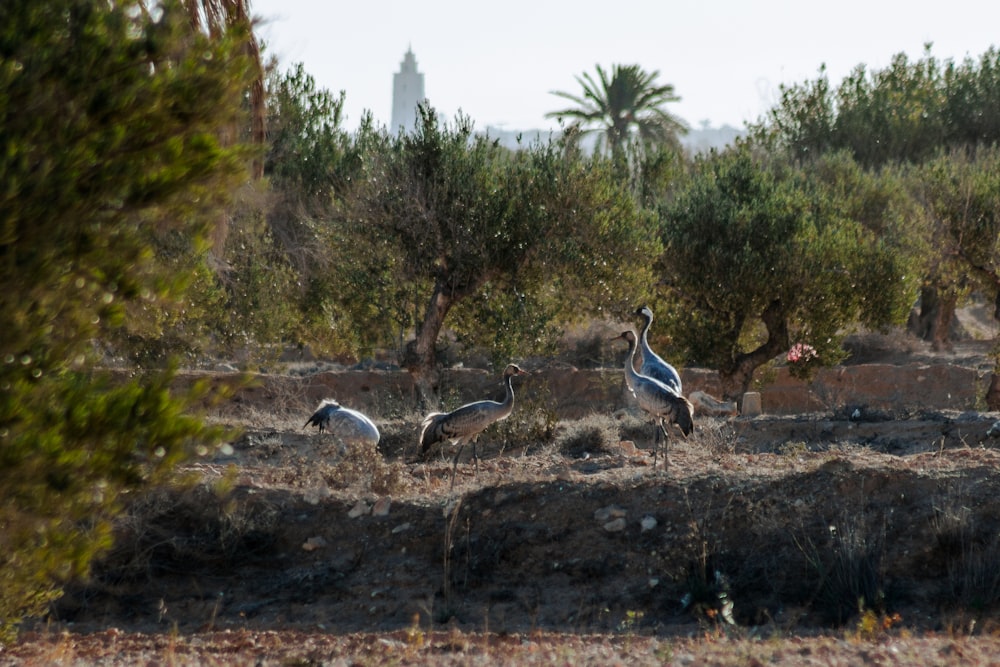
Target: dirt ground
(821, 538)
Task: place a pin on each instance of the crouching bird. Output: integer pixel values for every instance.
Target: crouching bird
(657, 399)
(463, 425)
(349, 426)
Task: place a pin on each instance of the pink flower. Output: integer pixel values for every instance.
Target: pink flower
(801, 353)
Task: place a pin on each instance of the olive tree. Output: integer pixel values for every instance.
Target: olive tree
(111, 152)
(446, 219)
(901, 116)
(758, 257)
(960, 190)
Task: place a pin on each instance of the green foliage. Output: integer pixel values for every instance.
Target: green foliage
(903, 113)
(310, 162)
(624, 105)
(110, 155)
(253, 309)
(306, 143)
(513, 241)
(759, 257)
(960, 190)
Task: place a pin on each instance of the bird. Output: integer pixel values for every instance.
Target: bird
(657, 399)
(349, 426)
(464, 424)
(652, 364)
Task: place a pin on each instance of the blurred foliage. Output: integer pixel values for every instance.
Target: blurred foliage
(113, 176)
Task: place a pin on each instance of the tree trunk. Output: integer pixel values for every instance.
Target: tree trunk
(933, 322)
(993, 393)
(737, 378)
(419, 355)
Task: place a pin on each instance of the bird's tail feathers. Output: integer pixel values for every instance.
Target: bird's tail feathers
(429, 434)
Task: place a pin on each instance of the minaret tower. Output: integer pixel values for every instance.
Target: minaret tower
(407, 93)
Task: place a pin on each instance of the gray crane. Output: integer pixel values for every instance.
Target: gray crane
(463, 425)
(349, 426)
(657, 399)
(652, 364)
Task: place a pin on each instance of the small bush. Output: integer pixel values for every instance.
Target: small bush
(363, 468)
(638, 430)
(594, 434)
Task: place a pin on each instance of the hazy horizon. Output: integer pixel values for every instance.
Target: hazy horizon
(726, 59)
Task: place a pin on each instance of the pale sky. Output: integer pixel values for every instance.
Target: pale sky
(498, 62)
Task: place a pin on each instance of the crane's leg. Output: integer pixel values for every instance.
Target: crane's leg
(666, 444)
(454, 467)
(656, 443)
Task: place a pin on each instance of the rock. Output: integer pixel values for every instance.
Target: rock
(314, 543)
(647, 523)
(360, 509)
(615, 526)
(381, 507)
(751, 404)
(608, 513)
(706, 404)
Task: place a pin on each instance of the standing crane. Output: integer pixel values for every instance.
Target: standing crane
(349, 426)
(652, 364)
(463, 425)
(657, 399)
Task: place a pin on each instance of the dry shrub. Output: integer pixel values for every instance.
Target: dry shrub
(185, 529)
(972, 559)
(849, 569)
(400, 438)
(632, 427)
(594, 434)
(533, 421)
(715, 435)
(363, 468)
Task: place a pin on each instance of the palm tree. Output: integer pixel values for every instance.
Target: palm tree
(217, 18)
(625, 106)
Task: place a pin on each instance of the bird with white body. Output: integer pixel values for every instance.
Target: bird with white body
(653, 364)
(463, 425)
(349, 426)
(655, 398)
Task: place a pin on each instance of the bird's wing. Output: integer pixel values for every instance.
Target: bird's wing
(474, 417)
(352, 426)
(654, 366)
(322, 413)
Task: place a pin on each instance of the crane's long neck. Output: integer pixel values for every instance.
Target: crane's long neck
(643, 340)
(630, 374)
(508, 399)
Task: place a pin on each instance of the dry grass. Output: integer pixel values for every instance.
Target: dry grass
(726, 556)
